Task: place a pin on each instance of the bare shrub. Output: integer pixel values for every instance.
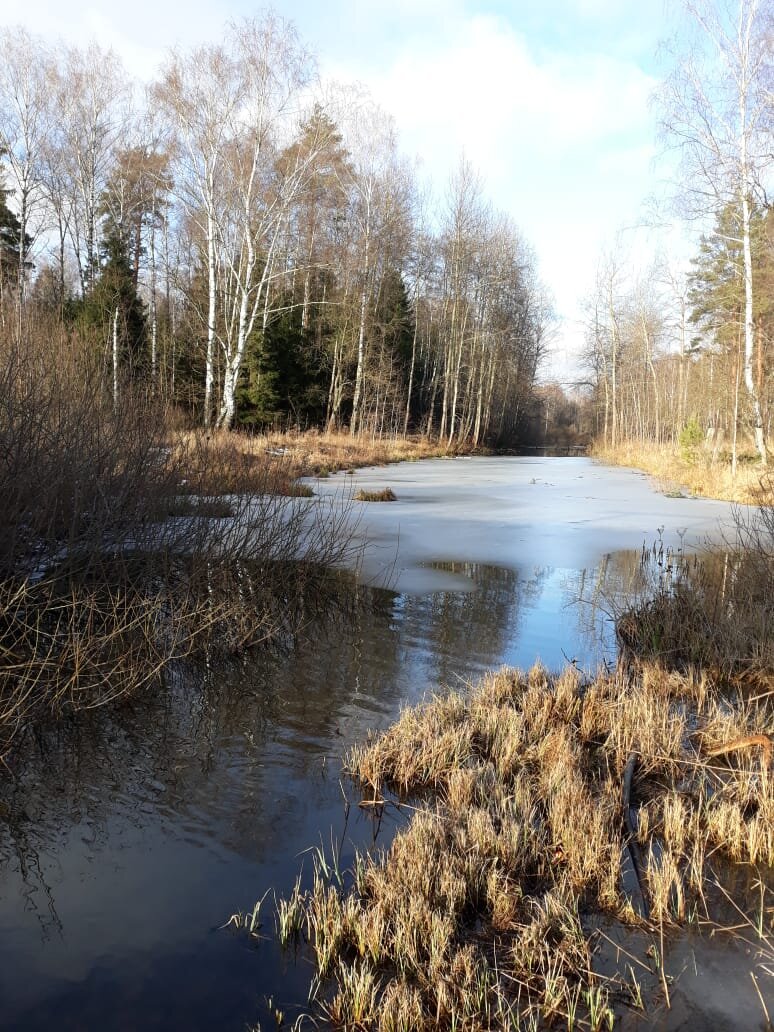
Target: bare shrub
(120, 551)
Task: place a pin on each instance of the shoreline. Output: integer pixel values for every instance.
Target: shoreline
(699, 475)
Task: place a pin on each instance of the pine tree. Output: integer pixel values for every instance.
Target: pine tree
(10, 230)
(113, 306)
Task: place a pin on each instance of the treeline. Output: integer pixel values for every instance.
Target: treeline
(248, 244)
(665, 351)
(685, 356)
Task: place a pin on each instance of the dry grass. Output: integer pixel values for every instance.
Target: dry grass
(713, 611)
(304, 454)
(386, 494)
(477, 915)
(700, 475)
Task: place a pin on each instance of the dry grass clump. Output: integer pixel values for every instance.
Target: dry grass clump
(706, 474)
(386, 494)
(714, 611)
(478, 913)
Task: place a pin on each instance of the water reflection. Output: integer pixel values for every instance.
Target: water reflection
(129, 836)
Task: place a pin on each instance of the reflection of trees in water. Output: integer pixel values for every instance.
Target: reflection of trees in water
(234, 750)
(230, 755)
(464, 629)
(628, 579)
(226, 750)
(599, 593)
(226, 740)
(586, 604)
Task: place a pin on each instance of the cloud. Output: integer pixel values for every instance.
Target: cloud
(562, 138)
(484, 88)
(139, 33)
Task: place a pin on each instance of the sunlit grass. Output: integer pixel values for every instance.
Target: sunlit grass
(476, 914)
(700, 474)
(386, 494)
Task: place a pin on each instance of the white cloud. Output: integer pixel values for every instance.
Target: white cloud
(564, 141)
(550, 103)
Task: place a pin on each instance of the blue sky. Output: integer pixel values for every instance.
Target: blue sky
(550, 100)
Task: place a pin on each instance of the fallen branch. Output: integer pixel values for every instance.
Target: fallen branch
(745, 742)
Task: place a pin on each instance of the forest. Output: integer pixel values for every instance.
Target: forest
(248, 245)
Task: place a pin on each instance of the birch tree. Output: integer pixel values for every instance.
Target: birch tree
(263, 182)
(94, 101)
(199, 93)
(718, 111)
(25, 122)
(378, 186)
(233, 106)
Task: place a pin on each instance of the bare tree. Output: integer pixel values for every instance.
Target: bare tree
(199, 93)
(233, 106)
(718, 111)
(25, 122)
(94, 101)
(378, 187)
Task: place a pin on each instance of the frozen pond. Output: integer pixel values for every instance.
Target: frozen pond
(128, 839)
(563, 513)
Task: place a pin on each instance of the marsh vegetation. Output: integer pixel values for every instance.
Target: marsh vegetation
(546, 817)
(125, 546)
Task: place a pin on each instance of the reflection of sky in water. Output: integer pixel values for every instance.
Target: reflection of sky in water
(509, 617)
(126, 840)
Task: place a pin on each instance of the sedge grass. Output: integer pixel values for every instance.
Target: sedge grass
(385, 494)
(478, 914)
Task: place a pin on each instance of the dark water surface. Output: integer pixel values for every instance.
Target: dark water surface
(128, 840)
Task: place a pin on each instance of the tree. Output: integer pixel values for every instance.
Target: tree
(135, 203)
(10, 231)
(94, 99)
(114, 308)
(231, 106)
(718, 111)
(25, 118)
(199, 93)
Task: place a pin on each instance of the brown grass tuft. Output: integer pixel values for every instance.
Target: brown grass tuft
(478, 914)
(386, 494)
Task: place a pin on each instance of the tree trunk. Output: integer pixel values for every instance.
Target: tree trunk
(115, 359)
(749, 334)
(211, 312)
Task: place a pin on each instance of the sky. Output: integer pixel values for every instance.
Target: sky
(549, 99)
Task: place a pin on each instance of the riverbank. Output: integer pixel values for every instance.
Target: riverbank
(234, 459)
(695, 472)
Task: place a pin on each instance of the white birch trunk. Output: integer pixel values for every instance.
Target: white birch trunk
(211, 315)
(361, 328)
(749, 335)
(115, 359)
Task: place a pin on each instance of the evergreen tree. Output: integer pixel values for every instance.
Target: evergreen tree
(10, 230)
(113, 303)
(716, 293)
(283, 378)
